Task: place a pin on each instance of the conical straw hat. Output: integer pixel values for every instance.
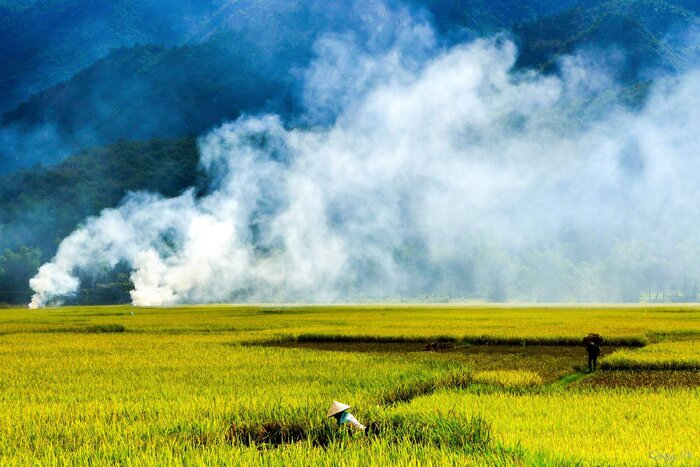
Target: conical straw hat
(337, 407)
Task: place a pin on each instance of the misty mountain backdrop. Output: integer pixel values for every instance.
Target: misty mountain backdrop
(100, 99)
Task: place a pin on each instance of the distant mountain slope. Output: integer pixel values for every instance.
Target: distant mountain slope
(148, 91)
(648, 34)
(253, 62)
(43, 42)
(153, 91)
(40, 206)
(484, 16)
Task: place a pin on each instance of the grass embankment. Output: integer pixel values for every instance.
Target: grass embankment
(544, 363)
(682, 355)
(558, 341)
(643, 379)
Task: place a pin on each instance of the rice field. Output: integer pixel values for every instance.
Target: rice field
(595, 427)
(681, 355)
(250, 385)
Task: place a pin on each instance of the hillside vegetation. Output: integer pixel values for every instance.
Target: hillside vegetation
(141, 106)
(642, 37)
(165, 89)
(42, 205)
(43, 42)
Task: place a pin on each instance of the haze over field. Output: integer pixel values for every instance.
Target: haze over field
(417, 170)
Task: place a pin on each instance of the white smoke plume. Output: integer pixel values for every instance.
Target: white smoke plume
(444, 175)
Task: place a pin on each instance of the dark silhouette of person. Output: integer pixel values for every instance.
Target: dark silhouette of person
(592, 343)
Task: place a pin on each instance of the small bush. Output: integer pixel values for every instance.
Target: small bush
(103, 328)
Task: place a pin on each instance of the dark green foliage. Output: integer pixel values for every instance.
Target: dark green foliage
(637, 30)
(372, 338)
(16, 268)
(483, 16)
(472, 435)
(41, 206)
(45, 41)
(94, 329)
(152, 91)
(108, 286)
(103, 328)
(467, 340)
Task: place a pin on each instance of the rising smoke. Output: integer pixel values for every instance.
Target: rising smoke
(444, 175)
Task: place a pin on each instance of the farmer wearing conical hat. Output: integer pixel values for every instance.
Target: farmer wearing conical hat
(593, 343)
(339, 411)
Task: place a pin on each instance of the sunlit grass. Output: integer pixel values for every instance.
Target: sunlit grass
(643, 378)
(195, 385)
(681, 355)
(467, 321)
(602, 427)
(512, 378)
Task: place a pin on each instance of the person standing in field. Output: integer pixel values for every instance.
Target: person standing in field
(592, 343)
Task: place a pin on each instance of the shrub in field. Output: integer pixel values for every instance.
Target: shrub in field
(104, 328)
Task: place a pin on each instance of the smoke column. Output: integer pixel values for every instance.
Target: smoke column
(444, 175)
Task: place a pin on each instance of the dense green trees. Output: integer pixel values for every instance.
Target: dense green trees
(42, 205)
(176, 88)
(43, 42)
(16, 268)
(641, 37)
(167, 91)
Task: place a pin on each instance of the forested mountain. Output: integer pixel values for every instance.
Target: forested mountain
(243, 60)
(43, 42)
(42, 205)
(235, 56)
(48, 202)
(646, 37)
(152, 91)
(485, 16)
(138, 81)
